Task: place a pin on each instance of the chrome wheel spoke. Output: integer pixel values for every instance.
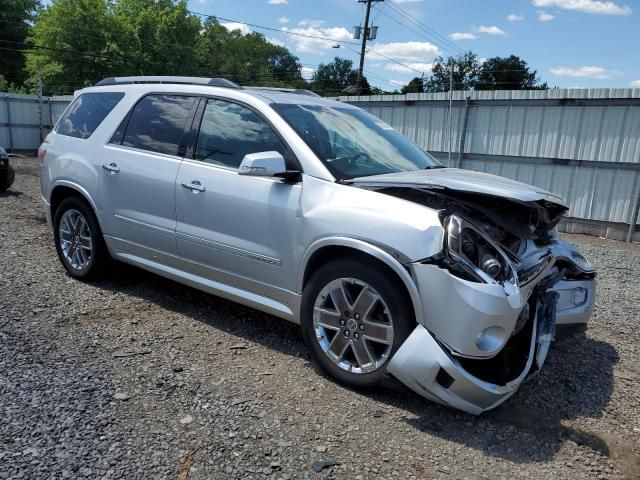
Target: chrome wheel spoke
(85, 243)
(338, 346)
(339, 298)
(365, 302)
(327, 318)
(378, 332)
(361, 352)
(68, 223)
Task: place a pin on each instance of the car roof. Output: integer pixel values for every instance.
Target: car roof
(214, 86)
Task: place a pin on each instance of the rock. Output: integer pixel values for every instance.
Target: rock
(322, 464)
(186, 420)
(121, 396)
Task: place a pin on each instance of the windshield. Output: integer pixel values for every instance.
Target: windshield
(353, 143)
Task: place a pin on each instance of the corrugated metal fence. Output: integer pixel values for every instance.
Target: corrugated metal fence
(581, 144)
(24, 118)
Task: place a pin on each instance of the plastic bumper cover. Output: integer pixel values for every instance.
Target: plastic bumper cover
(460, 311)
(575, 301)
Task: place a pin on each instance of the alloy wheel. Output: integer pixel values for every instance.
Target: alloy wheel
(75, 239)
(353, 325)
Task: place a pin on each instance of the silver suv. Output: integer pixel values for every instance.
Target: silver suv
(450, 281)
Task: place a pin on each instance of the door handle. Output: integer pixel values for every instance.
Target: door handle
(111, 168)
(194, 186)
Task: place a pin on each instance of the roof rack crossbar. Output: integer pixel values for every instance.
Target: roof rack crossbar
(212, 82)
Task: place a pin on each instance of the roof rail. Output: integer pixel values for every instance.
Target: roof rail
(212, 82)
(297, 91)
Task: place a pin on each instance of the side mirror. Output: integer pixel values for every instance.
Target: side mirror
(263, 164)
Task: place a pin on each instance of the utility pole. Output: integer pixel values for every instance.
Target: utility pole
(450, 107)
(367, 35)
(40, 108)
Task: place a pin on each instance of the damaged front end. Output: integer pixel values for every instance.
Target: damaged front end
(491, 299)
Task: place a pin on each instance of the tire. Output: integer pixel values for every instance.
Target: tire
(91, 256)
(8, 179)
(352, 274)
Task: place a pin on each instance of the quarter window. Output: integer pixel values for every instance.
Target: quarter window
(157, 123)
(230, 131)
(86, 113)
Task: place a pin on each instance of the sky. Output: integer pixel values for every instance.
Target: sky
(571, 43)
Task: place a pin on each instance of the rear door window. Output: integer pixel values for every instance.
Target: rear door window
(230, 131)
(157, 123)
(86, 113)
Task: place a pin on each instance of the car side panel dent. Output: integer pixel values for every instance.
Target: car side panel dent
(407, 230)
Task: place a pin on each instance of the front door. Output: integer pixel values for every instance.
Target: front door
(239, 230)
(138, 175)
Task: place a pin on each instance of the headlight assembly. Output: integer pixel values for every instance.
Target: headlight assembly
(477, 253)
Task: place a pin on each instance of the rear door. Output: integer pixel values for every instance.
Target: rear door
(139, 168)
(239, 230)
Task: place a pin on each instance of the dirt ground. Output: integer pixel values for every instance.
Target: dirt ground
(138, 377)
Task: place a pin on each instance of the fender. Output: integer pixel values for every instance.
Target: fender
(82, 191)
(375, 252)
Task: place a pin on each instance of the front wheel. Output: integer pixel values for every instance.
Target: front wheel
(354, 318)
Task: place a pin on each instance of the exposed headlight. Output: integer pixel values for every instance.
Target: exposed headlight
(477, 253)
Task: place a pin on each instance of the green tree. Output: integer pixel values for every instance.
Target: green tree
(15, 18)
(334, 77)
(508, 73)
(157, 37)
(77, 42)
(247, 59)
(416, 85)
(466, 68)
(74, 43)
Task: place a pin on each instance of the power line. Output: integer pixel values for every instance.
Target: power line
(402, 23)
(393, 5)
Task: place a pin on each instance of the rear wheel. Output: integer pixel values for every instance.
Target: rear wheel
(78, 238)
(354, 318)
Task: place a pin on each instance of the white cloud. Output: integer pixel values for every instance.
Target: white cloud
(462, 36)
(306, 44)
(244, 29)
(599, 73)
(412, 67)
(514, 17)
(307, 72)
(544, 16)
(310, 23)
(283, 20)
(635, 84)
(277, 2)
(587, 6)
(405, 51)
(274, 41)
(202, 2)
(400, 83)
(492, 30)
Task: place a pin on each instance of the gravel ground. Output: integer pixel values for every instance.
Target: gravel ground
(139, 377)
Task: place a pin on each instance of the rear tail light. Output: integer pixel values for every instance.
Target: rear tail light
(41, 154)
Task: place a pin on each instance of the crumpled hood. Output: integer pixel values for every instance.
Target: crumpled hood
(463, 181)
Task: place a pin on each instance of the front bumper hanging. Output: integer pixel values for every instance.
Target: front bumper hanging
(472, 330)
